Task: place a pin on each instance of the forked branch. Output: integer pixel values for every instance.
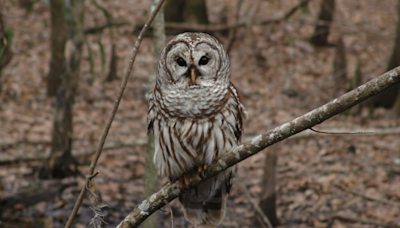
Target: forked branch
(316, 116)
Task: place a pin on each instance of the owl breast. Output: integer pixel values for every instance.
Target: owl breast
(192, 135)
(194, 101)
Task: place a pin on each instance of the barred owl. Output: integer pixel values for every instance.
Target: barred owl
(196, 116)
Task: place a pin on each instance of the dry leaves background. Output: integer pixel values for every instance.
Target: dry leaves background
(280, 76)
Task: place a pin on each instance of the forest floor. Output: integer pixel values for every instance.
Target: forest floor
(323, 180)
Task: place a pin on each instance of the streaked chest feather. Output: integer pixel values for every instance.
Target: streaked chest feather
(193, 102)
(183, 143)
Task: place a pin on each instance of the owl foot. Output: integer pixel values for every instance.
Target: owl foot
(184, 181)
(202, 170)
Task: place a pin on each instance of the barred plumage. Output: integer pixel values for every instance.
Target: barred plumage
(196, 116)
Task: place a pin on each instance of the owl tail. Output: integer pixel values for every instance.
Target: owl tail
(205, 206)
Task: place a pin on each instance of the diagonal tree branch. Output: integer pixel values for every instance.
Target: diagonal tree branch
(260, 142)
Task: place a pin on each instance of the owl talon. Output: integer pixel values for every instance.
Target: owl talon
(186, 178)
(181, 183)
(184, 181)
(202, 170)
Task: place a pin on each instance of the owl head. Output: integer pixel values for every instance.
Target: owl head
(193, 60)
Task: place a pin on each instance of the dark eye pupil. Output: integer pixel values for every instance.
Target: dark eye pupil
(204, 60)
(181, 62)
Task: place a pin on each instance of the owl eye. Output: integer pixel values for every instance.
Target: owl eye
(203, 60)
(181, 62)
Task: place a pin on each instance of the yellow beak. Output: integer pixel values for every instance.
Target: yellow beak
(193, 74)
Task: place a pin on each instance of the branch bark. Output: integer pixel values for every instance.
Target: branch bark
(260, 142)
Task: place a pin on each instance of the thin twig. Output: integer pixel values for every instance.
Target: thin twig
(102, 27)
(232, 34)
(262, 141)
(254, 204)
(341, 133)
(93, 176)
(113, 112)
(367, 197)
(306, 134)
(294, 9)
(259, 219)
(172, 215)
(356, 220)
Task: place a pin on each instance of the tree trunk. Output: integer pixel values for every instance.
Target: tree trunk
(174, 10)
(58, 38)
(151, 176)
(355, 82)
(268, 193)
(196, 12)
(61, 160)
(193, 11)
(5, 50)
(112, 74)
(339, 73)
(321, 32)
(388, 97)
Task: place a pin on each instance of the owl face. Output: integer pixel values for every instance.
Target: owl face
(192, 65)
(194, 60)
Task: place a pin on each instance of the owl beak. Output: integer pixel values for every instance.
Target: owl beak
(193, 74)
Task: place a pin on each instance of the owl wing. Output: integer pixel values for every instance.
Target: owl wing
(239, 115)
(151, 114)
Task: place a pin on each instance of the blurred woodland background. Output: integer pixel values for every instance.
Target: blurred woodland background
(61, 65)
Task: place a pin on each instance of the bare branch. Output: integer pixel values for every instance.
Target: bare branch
(99, 29)
(370, 131)
(368, 197)
(113, 112)
(357, 220)
(316, 116)
(294, 9)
